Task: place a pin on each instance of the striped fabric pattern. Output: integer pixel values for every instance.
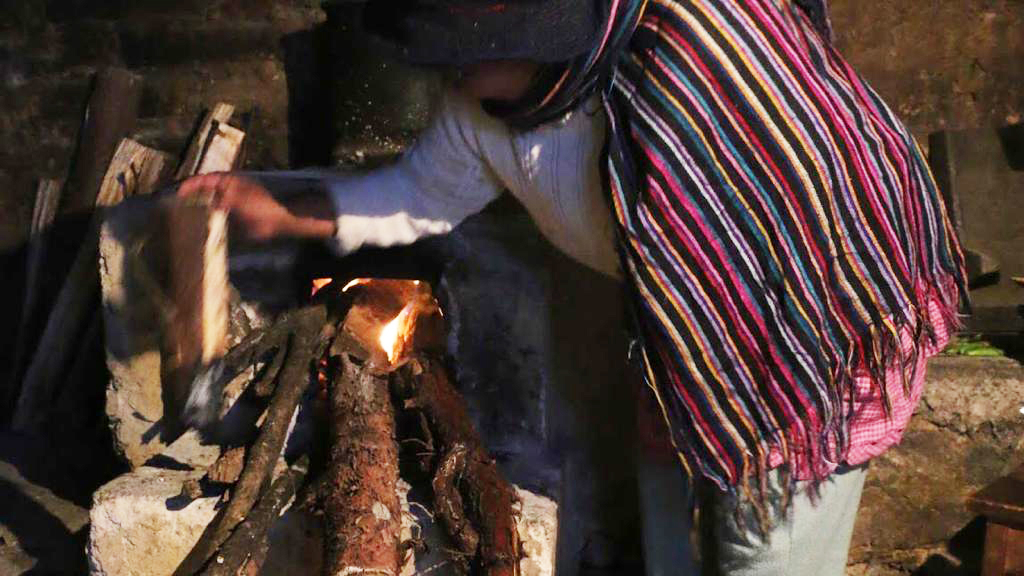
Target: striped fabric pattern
(781, 228)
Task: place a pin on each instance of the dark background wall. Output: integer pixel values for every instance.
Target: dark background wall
(941, 63)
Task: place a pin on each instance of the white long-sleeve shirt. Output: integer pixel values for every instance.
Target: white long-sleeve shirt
(463, 161)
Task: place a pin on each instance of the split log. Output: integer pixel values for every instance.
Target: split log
(311, 333)
(358, 495)
(223, 149)
(196, 332)
(194, 153)
(487, 498)
(47, 199)
(134, 170)
(244, 553)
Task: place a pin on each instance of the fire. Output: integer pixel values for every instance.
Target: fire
(319, 283)
(354, 283)
(396, 333)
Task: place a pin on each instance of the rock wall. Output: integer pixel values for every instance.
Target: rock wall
(941, 64)
(967, 432)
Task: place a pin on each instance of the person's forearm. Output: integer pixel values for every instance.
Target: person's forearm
(312, 216)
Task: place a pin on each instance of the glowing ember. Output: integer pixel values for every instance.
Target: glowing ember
(395, 334)
(355, 282)
(319, 283)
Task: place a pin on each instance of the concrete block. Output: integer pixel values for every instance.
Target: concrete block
(141, 527)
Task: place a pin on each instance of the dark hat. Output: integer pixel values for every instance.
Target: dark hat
(460, 32)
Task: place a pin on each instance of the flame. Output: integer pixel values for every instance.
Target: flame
(395, 334)
(319, 283)
(356, 282)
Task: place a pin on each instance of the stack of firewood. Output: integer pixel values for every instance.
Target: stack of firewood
(57, 338)
(376, 350)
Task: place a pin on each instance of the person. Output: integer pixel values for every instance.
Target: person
(788, 259)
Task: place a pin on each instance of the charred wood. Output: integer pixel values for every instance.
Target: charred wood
(311, 333)
(244, 553)
(464, 470)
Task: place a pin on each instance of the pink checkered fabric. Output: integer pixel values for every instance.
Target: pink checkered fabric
(871, 431)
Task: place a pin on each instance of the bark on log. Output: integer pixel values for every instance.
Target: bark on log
(311, 334)
(358, 496)
(227, 468)
(244, 553)
(134, 170)
(488, 499)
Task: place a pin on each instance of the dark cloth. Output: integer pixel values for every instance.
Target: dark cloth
(461, 32)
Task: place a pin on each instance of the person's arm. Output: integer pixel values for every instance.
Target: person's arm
(440, 181)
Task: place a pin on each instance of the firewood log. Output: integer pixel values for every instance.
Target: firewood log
(311, 331)
(47, 198)
(196, 333)
(244, 553)
(487, 499)
(193, 158)
(135, 169)
(358, 495)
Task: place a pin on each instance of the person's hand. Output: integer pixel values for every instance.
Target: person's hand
(254, 212)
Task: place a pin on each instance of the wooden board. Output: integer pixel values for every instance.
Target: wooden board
(223, 149)
(134, 169)
(47, 199)
(196, 333)
(191, 162)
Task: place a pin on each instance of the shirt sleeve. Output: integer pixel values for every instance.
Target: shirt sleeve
(438, 182)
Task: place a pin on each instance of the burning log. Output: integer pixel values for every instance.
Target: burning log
(475, 502)
(358, 495)
(310, 333)
(370, 361)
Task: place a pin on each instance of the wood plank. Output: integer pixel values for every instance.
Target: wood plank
(110, 116)
(47, 200)
(223, 150)
(191, 162)
(196, 334)
(1003, 500)
(135, 169)
(996, 540)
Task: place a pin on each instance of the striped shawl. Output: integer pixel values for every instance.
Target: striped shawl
(779, 225)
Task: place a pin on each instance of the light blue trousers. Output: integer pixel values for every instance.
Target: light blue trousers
(809, 538)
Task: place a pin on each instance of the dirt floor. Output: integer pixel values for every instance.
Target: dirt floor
(46, 489)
